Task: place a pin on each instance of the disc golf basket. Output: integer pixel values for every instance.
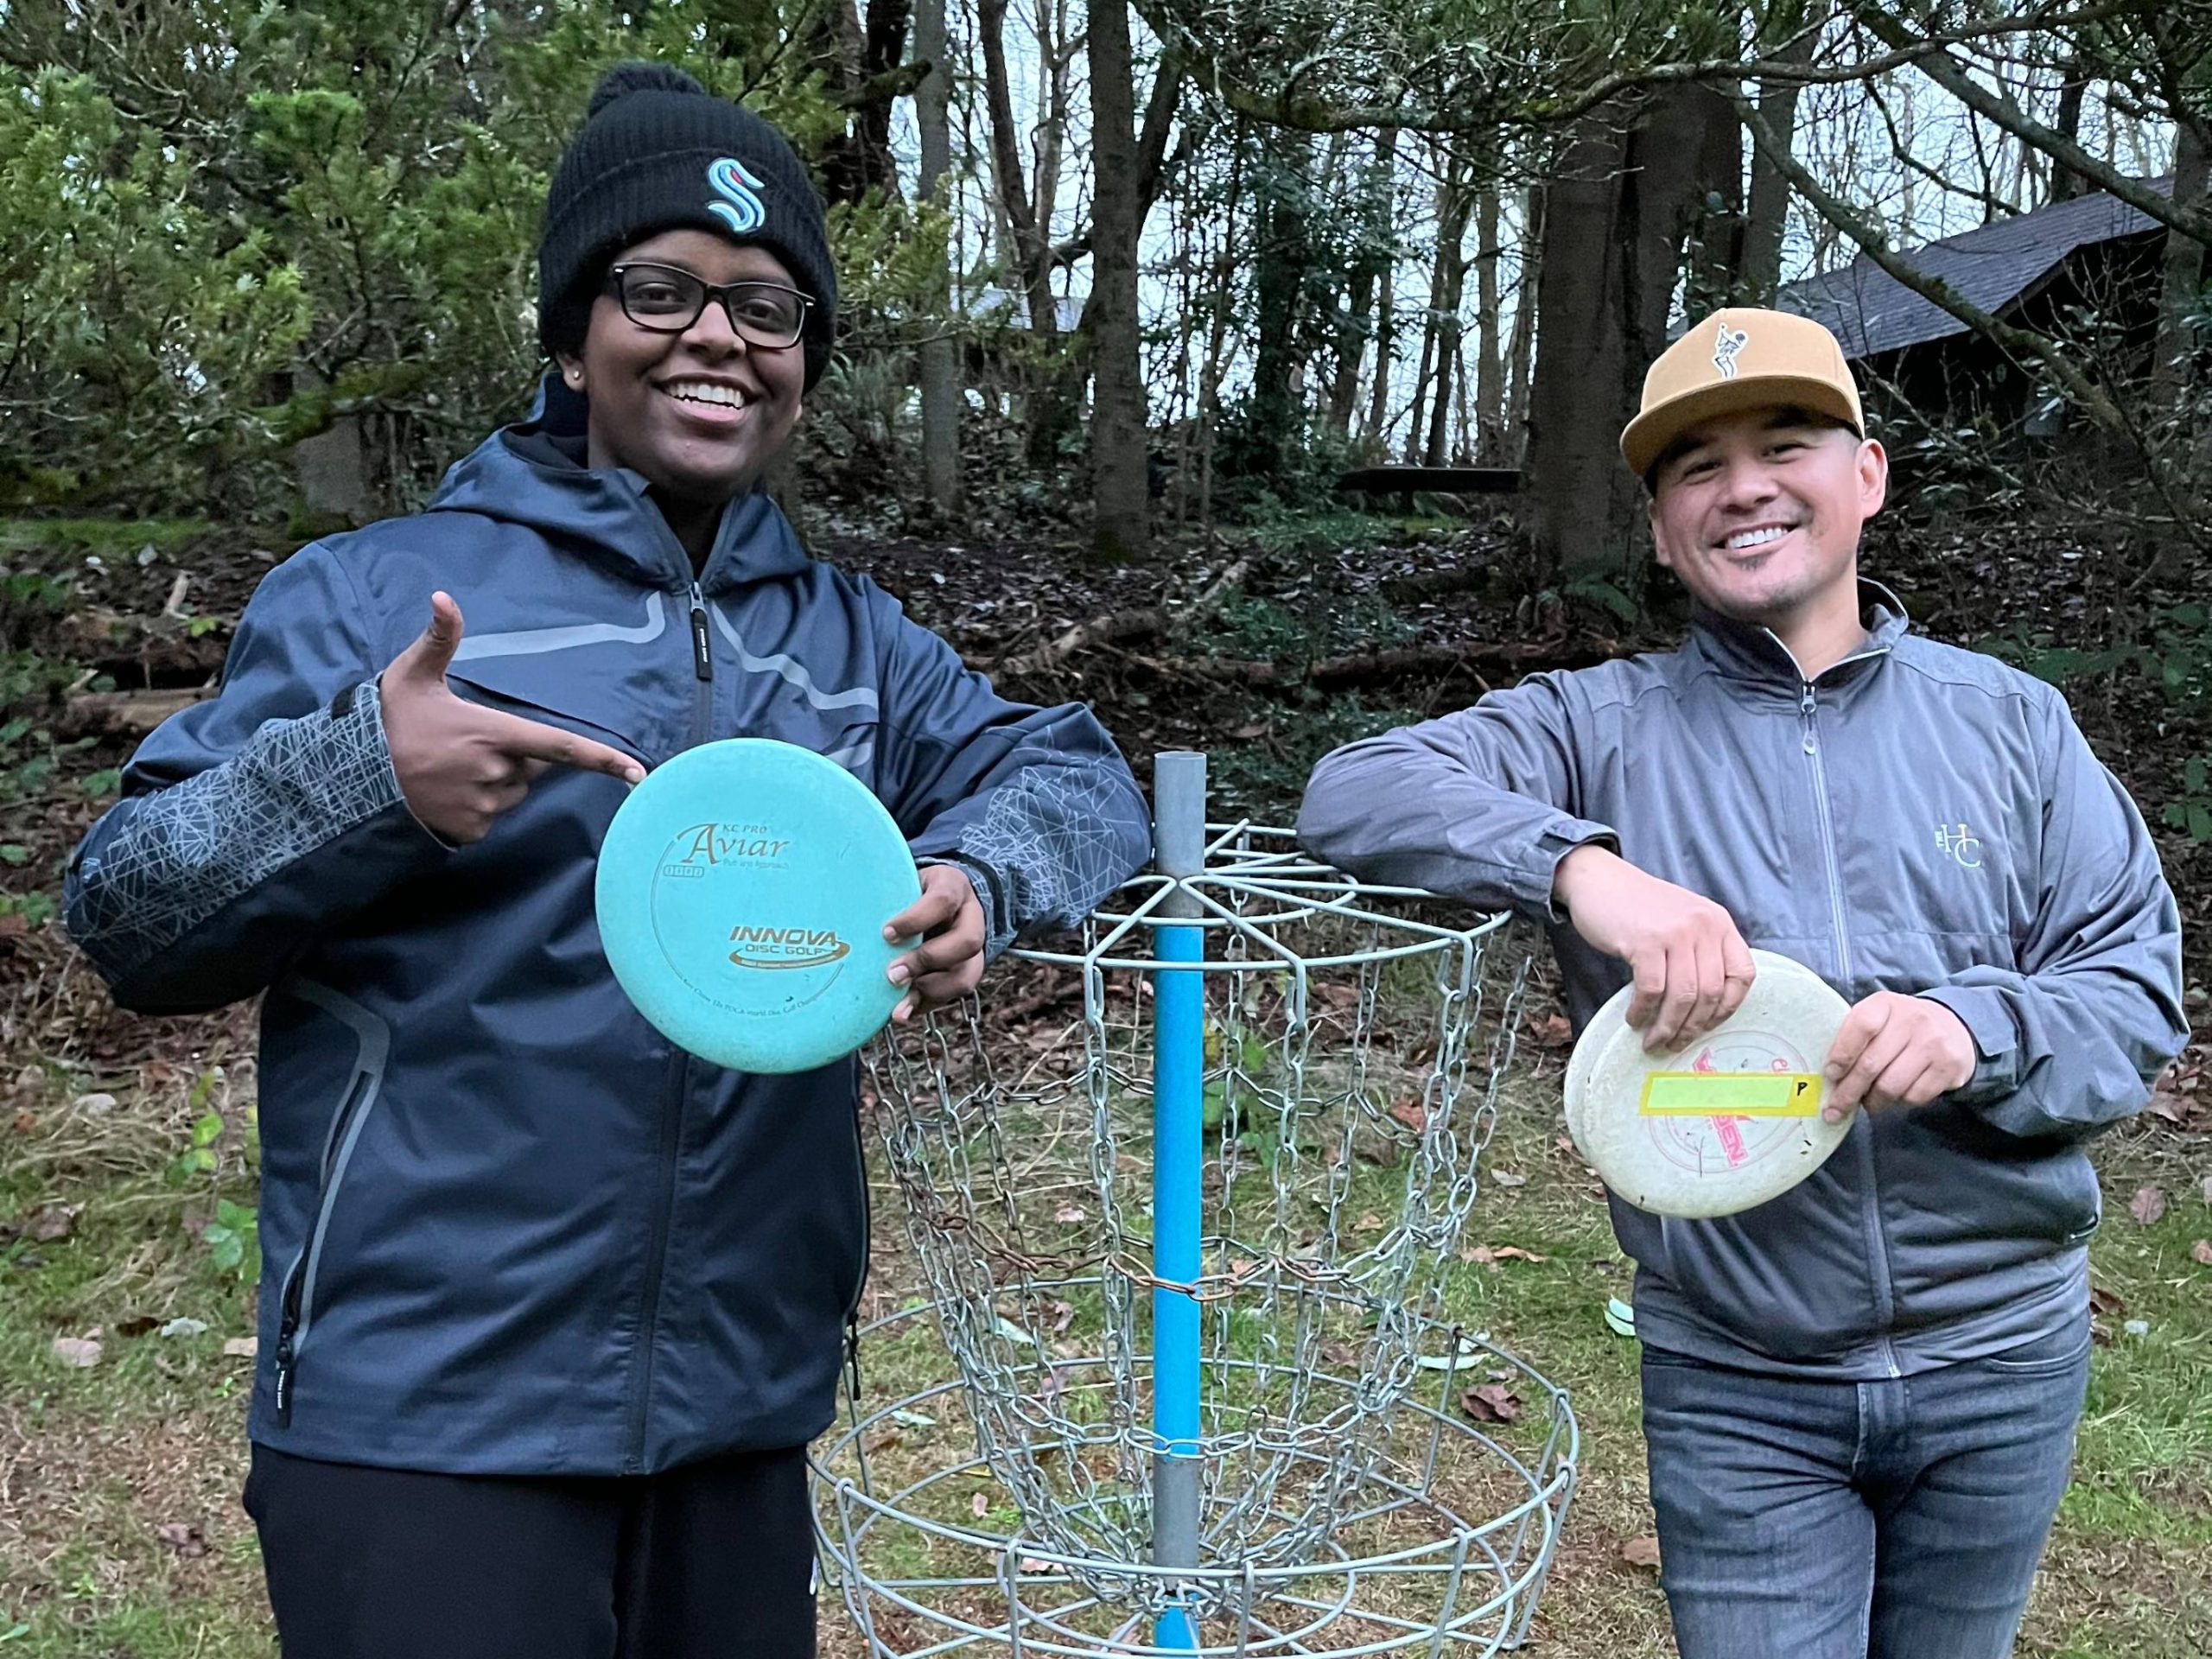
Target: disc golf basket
(1181, 1380)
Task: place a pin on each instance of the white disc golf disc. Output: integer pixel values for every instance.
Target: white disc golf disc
(1718, 1125)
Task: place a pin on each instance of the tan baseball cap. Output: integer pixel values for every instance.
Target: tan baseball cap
(1736, 359)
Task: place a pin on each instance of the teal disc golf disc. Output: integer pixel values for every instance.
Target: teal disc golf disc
(742, 891)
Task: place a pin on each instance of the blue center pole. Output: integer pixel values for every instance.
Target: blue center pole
(1179, 796)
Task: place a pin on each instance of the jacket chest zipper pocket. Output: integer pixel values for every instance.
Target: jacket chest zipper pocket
(298, 1304)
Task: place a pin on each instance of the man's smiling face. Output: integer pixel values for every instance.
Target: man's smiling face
(1760, 512)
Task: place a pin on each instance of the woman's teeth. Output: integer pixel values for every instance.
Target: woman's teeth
(700, 391)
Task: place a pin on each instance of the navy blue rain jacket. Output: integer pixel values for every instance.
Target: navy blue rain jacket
(506, 1227)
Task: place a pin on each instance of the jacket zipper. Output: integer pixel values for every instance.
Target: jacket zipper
(296, 1315)
(1877, 1254)
(703, 659)
(671, 1134)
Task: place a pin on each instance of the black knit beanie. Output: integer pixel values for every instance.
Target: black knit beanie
(658, 152)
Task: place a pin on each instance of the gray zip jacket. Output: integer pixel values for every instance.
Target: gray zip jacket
(1918, 819)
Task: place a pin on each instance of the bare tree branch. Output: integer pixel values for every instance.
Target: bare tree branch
(2093, 401)
(1496, 90)
(1940, 66)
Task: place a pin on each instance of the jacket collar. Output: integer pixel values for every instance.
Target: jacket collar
(534, 474)
(1745, 651)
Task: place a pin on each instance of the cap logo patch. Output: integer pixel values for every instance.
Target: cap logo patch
(1731, 341)
(739, 208)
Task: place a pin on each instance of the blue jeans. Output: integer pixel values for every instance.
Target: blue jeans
(1899, 1519)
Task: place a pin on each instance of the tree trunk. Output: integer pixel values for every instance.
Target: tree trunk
(1615, 229)
(1431, 331)
(1224, 281)
(1386, 320)
(1452, 266)
(1581, 500)
(1520, 350)
(1280, 266)
(1711, 195)
(2182, 287)
(2065, 182)
(859, 159)
(1489, 347)
(1767, 216)
(1031, 249)
(1120, 500)
(1378, 238)
(940, 353)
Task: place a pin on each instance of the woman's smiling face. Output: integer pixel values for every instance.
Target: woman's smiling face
(699, 415)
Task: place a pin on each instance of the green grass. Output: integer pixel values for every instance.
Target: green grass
(107, 536)
(95, 1461)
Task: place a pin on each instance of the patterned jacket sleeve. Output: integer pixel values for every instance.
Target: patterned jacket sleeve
(252, 821)
(1037, 804)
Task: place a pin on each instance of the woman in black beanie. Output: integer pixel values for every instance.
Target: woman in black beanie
(550, 1308)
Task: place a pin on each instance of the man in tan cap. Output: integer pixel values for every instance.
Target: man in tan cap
(1859, 1397)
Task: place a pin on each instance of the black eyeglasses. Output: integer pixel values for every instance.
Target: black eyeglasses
(669, 300)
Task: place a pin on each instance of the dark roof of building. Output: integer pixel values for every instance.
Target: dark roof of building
(1992, 266)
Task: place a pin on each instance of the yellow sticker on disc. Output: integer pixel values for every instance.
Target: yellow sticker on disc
(1731, 1093)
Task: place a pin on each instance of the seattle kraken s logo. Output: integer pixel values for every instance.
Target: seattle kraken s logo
(739, 208)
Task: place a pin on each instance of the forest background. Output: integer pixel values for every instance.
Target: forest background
(1128, 288)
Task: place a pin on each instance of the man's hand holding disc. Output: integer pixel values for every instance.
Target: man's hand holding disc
(1690, 966)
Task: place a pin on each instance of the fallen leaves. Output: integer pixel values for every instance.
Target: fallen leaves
(979, 1506)
(81, 1352)
(2176, 1097)
(1411, 1112)
(241, 1347)
(1642, 1552)
(1491, 1402)
(2149, 1202)
(2200, 1252)
(1506, 1177)
(1550, 1031)
(1489, 1254)
(186, 1540)
(47, 1224)
(2103, 1303)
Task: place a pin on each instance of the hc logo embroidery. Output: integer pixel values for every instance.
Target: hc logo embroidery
(1731, 341)
(739, 208)
(1957, 842)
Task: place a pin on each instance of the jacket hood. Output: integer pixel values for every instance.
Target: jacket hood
(534, 474)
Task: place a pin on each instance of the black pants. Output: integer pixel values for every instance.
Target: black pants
(713, 1560)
